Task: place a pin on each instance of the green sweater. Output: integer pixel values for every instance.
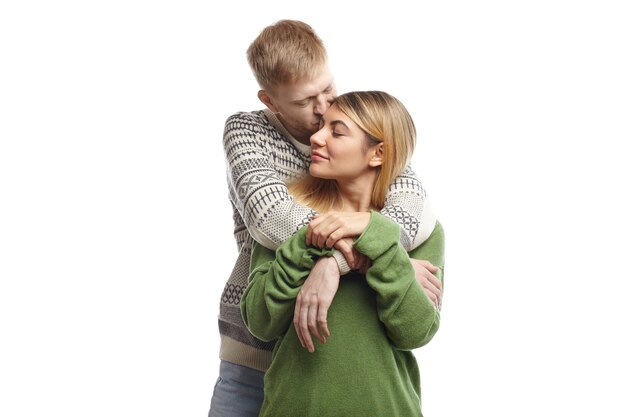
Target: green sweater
(366, 367)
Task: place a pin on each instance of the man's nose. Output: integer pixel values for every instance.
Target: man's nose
(321, 105)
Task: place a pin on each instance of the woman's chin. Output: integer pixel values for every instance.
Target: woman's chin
(318, 173)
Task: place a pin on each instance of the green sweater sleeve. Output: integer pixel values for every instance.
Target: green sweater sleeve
(404, 309)
(269, 300)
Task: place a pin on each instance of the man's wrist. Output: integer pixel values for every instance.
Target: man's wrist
(342, 264)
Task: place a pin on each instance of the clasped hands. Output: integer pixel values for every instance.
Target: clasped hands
(338, 230)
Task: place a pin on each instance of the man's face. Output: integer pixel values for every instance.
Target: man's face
(300, 105)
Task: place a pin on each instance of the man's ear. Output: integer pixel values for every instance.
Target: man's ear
(267, 100)
(377, 158)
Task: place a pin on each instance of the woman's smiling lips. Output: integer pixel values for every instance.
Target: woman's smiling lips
(316, 156)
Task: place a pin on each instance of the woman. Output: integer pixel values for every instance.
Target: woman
(366, 367)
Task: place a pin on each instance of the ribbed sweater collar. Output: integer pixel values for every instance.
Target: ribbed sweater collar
(274, 121)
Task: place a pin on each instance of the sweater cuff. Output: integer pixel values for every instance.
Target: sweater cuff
(379, 235)
(344, 268)
(295, 250)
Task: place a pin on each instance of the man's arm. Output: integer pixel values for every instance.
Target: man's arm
(255, 187)
(408, 206)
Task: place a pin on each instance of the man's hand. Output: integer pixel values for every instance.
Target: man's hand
(424, 274)
(313, 301)
(326, 229)
(354, 258)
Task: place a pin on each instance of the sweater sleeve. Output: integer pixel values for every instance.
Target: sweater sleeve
(269, 300)
(407, 205)
(256, 190)
(409, 317)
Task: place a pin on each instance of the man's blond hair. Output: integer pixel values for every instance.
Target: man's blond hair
(287, 51)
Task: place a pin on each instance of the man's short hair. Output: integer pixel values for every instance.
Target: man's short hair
(287, 51)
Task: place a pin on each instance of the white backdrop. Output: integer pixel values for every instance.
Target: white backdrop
(116, 232)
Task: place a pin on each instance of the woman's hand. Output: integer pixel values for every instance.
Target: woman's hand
(313, 301)
(326, 229)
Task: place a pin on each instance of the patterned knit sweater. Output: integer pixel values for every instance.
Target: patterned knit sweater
(366, 367)
(261, 158)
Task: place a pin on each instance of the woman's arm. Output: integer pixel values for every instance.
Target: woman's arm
(267, 305)
(409, 317)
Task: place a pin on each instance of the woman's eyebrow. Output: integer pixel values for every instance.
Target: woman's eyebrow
(339, 122)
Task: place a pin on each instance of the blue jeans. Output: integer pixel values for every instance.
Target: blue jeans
(238, 392)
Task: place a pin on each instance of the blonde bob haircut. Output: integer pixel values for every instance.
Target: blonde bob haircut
(285, 52)
(384, 119)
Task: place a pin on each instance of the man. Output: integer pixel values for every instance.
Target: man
(265, 150)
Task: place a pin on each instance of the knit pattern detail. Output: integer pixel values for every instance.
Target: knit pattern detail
(404, 204)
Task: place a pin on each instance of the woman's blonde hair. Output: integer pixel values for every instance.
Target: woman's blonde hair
(384, 119)
(287, 51)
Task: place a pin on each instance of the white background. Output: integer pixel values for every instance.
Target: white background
(116, 233)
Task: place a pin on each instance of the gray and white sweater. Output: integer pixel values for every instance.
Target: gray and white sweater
(261, 158)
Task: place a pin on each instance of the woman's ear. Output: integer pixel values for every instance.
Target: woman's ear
(377, 158)
(267, 100)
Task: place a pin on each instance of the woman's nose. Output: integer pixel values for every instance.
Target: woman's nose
(317, 138)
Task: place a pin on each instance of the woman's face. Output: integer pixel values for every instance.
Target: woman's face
(338, 149)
